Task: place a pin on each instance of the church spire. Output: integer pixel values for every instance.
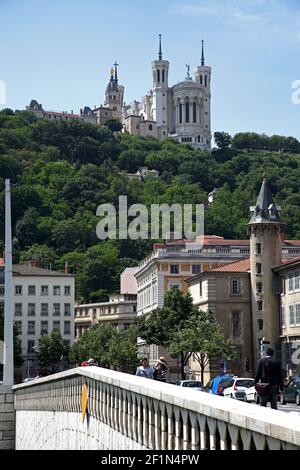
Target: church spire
(116, 72)
(160, 50)
(202, 57)
(265, 209)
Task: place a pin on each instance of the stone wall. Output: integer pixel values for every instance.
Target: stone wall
(7, 418)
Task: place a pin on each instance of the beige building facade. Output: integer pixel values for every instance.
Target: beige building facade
(119, 311)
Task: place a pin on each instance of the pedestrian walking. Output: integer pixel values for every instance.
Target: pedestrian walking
(144, 370)
(160, 370)
(269, 380)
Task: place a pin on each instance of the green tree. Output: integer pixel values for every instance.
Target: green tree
(52, 351)
(202, 336)
(114, 125)
(162, 325)
(223, 140)
(123, 350)
(94, 343)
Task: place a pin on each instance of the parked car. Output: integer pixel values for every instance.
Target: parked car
(194, 384)
(236, 388)
(291, 392)
(218, 384)
(251, 393)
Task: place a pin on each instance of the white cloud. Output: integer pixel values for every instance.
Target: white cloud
(259, 17)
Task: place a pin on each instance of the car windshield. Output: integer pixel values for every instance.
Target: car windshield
(193, 383)
(226, 383)
(242, 383)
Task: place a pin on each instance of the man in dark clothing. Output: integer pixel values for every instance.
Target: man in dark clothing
(269, 371)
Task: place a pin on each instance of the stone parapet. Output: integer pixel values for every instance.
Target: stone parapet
(129, 412)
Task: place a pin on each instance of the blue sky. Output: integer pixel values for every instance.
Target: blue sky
(60, 51)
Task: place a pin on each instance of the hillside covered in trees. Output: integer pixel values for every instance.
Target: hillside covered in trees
(62, 171)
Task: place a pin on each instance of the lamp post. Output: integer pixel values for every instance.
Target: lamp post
(8, 373)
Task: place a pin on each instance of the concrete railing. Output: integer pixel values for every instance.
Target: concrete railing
(127, 412)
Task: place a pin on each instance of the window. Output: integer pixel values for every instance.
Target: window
(31, 328)
(56, 290)
(44, 310)
(68, 310)
(297, 312)
(30, 345)
(174, 269)
(44, 290)
(235, 287)
(259, 287)
(196, 268)
(187, 112)
(158, 75)
(44, 328)
(258, 268)
(292, 315)
(163, 75)
(201, 80)
(2, 291)
(18, 310)
(194, 112)
(205, 80)
(56, 310)
(291, 282)
(150, 127)
(19, 327)
(260, 324)
(282, 316)
(235, 318)
(67, 328)
(18, 290)
(260, 305)
(31, 290)
(180, 114)
(258, 248)
(31, 310)
(297, 280)
(200, 289)
(56, 325)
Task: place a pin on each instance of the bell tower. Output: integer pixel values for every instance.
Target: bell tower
(114, 94)
(160, 71)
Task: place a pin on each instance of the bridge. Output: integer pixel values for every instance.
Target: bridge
(99, 409)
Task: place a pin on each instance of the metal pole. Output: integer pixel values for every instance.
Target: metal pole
(8, 375)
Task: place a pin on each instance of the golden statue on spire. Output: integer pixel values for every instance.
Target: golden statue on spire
(111, 72)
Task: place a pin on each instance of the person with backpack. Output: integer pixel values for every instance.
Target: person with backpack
(269, 380)
(144, 370)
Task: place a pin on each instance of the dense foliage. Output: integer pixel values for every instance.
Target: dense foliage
(62, 171)
(108, 346)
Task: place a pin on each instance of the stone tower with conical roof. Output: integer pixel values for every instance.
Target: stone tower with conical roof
(114, 95)
(266, 236)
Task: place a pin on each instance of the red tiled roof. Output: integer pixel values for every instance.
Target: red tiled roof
(235, 267)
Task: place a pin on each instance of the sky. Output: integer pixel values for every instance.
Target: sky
(59, 52)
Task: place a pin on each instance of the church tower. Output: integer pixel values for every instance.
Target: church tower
(266, 237)
(160, 69)
(114, 94)
(203, 78)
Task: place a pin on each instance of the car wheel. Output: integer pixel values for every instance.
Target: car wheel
(282, 400)
(245, 398)
(298, 399)
(231, 396)
(257, 399)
